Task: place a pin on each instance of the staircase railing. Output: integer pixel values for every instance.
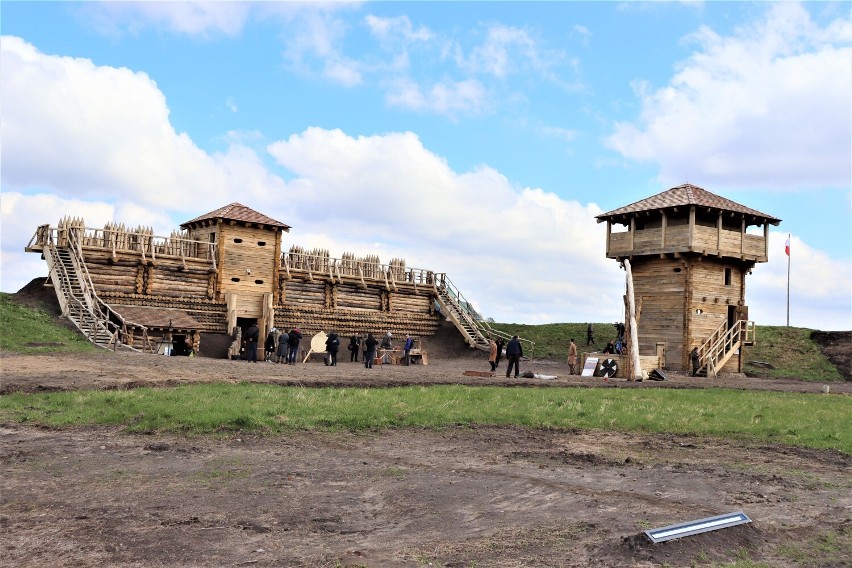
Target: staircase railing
(476, 329)
(72, 307)
(723, 343)
(90, 314)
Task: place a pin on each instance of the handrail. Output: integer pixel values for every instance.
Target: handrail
(464, 310)
(722, 341)
(92, 237)
(336, 267)
(98, 308)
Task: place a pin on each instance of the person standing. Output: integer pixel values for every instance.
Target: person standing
(295, 338)
(354, 347)
(370, 350)
(590, 335)
(252, 335)
(696, 361)
(492, 354)
(269, 345)
(572, 356)
(500, 345)
(332, 344)
(514, 352)
(283, 346)
(406, 349)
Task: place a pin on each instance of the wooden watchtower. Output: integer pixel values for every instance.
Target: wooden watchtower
(248, 246)
(690, 252)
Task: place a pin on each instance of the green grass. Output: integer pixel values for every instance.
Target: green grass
(797, 419)
(26, 330)
(792, 352)
(551, 339)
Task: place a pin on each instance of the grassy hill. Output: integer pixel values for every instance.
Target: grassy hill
(790, 351)
(30, 330)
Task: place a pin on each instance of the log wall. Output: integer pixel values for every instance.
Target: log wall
(352, 321)
(684, 301)
(305, 298)
(126, 273)
(660, 284)
(712, 300)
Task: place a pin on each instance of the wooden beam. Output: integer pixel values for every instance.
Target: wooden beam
(766, 240)
(608, 235)
(691, 225)
(632, 232)
(719, 234)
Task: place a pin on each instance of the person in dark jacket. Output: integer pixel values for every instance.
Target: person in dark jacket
(696, 361)
(332, 344)
(514, 352)
(269, 345)
(354, 347)
(295, 338)
(370, 345)
(406, 349)
(283, 346)
(252, 335)
(500, 345)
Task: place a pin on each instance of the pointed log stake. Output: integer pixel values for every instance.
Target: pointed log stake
(631, 322)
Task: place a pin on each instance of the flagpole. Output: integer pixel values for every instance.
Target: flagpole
(788, 279)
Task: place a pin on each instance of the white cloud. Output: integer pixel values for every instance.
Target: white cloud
(398, 30)
(506, 50)
(84, 131)
(766, 107)
(96, 142)
(521, 254)
(819, 287)
(450, 98)
(186, 18)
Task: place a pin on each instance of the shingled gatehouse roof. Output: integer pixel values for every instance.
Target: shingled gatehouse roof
(238, 212)
(684, 196)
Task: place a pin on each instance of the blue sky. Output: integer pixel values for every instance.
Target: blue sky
(478, 138)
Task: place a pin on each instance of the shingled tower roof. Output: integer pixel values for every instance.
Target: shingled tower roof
(683, 196)
(238, 212)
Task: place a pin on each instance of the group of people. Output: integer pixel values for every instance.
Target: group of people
(278, 348)
(370, 345)
(283, 346)
(514, 352)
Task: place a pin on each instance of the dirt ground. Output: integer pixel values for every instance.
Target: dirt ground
(457, 497)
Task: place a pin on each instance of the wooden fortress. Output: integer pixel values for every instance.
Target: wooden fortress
(690, 252)
(220, 273)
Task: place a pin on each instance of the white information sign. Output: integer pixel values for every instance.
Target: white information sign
(589, 367)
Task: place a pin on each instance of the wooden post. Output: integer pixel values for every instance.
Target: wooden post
(231, 303)
(719, 235)
(634, 331)
(608, 235)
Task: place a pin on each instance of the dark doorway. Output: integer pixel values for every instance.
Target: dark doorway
(244, 324)
(732, 316)
(180, 345)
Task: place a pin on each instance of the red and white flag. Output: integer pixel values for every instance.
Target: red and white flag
(787, 246)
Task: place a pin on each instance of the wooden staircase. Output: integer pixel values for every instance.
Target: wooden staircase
(722, 345)
(459, 311)
(95, 319)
